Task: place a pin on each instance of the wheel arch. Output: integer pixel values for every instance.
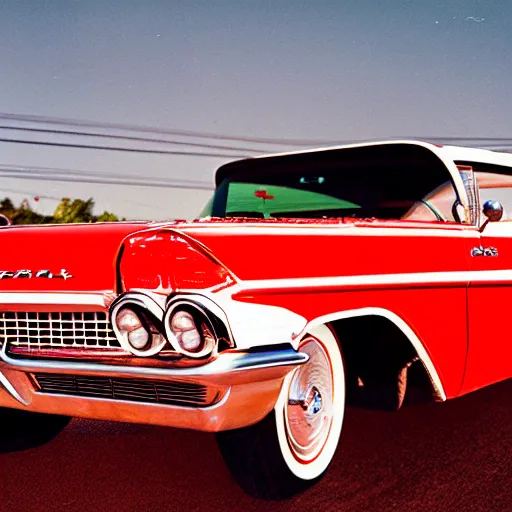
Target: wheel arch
(400, 324)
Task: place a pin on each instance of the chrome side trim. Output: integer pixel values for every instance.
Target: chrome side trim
(370, 281)
(402, 325)
(270, 358)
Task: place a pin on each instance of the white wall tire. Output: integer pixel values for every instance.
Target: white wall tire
(288, 451)
(314, 464)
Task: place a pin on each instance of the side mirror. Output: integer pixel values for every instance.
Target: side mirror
(4, 221)
(493, 210)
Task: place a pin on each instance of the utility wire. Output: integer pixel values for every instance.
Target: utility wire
(161, 131)
(506, 147)
(81, 173)
(118, 148)
(107, 181)
(495, 143)
(29, 193)
(219, 136)
(128, 138)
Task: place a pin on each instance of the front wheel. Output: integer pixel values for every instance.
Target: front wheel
(290, 449)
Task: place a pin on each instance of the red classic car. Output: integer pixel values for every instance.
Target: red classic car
(365, 274)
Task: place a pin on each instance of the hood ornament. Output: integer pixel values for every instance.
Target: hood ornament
(29, 274)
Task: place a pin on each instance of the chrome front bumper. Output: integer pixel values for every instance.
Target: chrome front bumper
(245, 384)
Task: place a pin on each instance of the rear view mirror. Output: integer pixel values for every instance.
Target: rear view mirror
(4, 221)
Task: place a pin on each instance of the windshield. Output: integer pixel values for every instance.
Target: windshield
(264, 200)
(334, 189)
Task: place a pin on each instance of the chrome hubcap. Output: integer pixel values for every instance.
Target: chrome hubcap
(309, 408)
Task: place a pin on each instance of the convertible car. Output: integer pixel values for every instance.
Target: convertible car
(374, 275)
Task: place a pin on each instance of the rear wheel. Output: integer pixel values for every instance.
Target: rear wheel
(20, 430)
(290, 449)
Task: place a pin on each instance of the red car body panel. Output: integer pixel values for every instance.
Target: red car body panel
(274, 279)
(272, 251)
(441, 327)
(490, 350)
(284, 250)
(86, 251)
(281, 250)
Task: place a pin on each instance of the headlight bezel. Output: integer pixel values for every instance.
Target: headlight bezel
(150, 316)
(154, 313)
(202, 322)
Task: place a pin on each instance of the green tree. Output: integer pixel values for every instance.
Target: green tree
(23, 214)
(107, 217)
(72, 211)
(67, 211)
(6, 206)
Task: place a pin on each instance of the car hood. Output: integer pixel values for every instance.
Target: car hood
(83, 257)
(310, 248)
(67, 257)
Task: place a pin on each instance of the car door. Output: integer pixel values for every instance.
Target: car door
(490, 289)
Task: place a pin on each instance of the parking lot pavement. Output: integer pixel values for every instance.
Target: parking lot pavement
(455, 456)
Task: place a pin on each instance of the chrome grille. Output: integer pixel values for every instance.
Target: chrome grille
(133, 390)
(38, 330)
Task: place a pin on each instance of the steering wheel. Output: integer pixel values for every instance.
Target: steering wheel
(429, 207)
(433, 209)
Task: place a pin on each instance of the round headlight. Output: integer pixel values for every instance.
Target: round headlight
(192, 331)
(138, 338)
(191, 340)
(136, 329)
(128, 320)
(182, 321)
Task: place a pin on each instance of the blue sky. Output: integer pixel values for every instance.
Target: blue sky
(286, 69)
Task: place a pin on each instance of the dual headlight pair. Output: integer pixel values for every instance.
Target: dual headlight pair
(143, 329)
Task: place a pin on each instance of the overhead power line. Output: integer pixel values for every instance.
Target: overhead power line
(501, 143)
(128, 138)
(106, 181)
(45, 120)
(27, 192)
(64, 175)
(122, 149)
(163, 131)
(54, 171)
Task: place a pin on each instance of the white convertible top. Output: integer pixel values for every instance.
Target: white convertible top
(485, 156)
(453, 153)
(450, 156)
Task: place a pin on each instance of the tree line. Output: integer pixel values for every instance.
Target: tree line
(67, 211)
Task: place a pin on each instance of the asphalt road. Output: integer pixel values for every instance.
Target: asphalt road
(455, 456)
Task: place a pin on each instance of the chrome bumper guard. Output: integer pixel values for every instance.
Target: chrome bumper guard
(243, 387)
